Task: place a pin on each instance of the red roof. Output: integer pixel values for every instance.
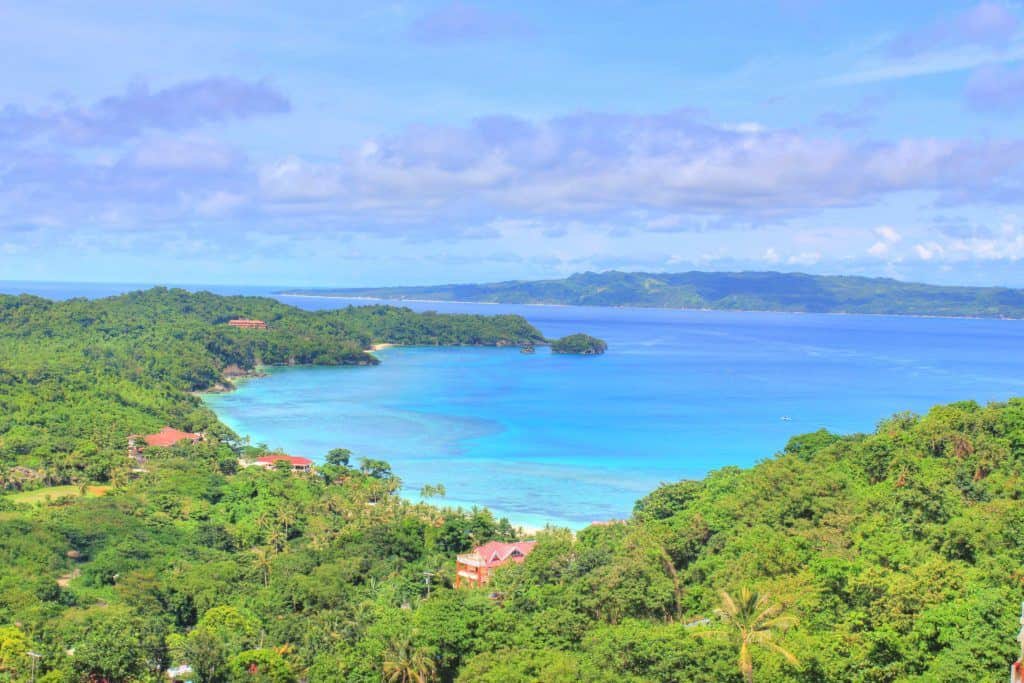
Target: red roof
(496, 553)
(294, 460)
(168, 436)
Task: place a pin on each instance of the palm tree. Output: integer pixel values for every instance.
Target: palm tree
(405, 663)
(288, 516)
(277, 540)
(261, 558)
(751, 621)
(265, 519)
(119, 478)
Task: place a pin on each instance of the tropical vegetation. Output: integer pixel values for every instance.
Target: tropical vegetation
(889, 556)
(580, 344)
(78, 377)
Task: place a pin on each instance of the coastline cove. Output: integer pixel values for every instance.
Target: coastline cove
(543, 438)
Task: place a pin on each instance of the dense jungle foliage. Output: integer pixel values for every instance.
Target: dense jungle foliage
(77, 377)
(891, 556)
(750, 291)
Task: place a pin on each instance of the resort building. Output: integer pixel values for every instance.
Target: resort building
(165, 438)
(248, 324)
(474, 568)
(269, 462)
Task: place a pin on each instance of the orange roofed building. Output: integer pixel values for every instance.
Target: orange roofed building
(165, 438)
(269, 462)
(474, 568)
(248, 324)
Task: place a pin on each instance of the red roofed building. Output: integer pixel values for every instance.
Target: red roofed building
(165, 438)
(474, 568)
(248, 324)
(269, 462)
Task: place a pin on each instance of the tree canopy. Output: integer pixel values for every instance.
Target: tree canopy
(888, 556)
(78, 377)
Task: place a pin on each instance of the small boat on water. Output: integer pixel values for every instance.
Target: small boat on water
(786, 418)
(527, 348)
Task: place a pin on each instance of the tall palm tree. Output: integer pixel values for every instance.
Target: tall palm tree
(405, 663)
(265, 519)
(277, 540)
(261, 558)
(288, 516)
(119, 478)
(750, 621)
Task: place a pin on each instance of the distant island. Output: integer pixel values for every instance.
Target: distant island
(579, 344)
(750, 291)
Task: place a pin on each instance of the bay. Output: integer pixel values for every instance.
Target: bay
(569, 440)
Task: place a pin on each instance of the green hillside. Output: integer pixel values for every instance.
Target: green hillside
(891, 556)
(77, 377)
(753, 291)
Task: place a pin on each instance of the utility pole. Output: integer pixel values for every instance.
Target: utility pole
(426, 579)
(34, 656)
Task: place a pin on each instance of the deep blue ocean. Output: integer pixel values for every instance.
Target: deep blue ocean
(569, 440)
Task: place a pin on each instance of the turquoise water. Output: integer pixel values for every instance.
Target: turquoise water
(569, 440)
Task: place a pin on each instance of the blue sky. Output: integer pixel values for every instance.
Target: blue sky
(350, 143)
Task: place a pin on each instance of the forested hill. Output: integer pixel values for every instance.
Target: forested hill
(78, 376)
(888, 557)
(751, 291)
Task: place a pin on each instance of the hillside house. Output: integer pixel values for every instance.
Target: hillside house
(246, 323)
(165, 438)
(474, 568)
(269, 462)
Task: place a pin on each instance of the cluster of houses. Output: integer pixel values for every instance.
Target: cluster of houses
(169, 436)
(472, 569)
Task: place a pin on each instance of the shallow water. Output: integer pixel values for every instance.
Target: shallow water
(569, 440)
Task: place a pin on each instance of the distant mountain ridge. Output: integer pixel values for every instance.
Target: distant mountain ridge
(751, 291)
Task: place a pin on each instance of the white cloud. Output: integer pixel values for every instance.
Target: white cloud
(770, 255)
(671, 164)
(929, 250)
(888, 234)
(879, 249)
